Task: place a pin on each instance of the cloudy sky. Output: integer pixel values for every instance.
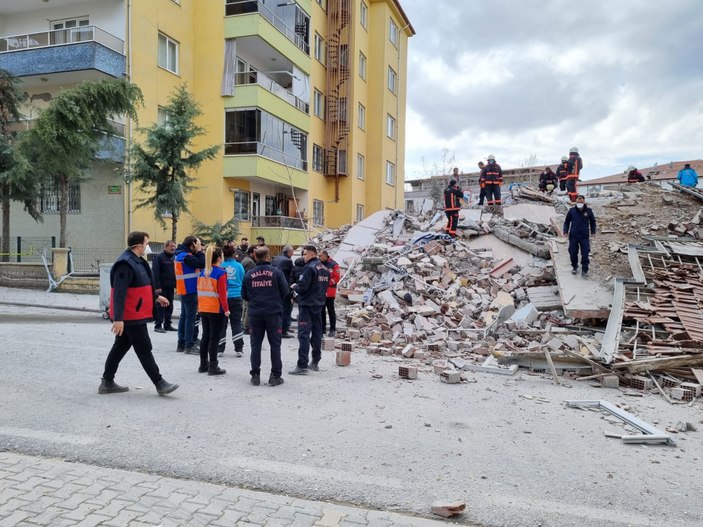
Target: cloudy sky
(620, 79)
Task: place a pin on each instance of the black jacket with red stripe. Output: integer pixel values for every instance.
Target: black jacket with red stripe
(574, 166)
(132, 292)
(562, 170)
(491, 174)
(452, 198)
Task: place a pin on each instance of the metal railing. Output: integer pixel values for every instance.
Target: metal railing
(260, 149)
(88, 260)
(28, 249)
(256, 77)
(243, 7)
(286, 222)
(61, 37)
(25, 124)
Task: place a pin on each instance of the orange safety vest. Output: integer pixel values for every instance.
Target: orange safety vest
(208, 297)
(186, 276)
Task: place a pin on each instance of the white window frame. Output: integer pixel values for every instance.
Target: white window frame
(362, 65)
(78, 22)
(364, 15)
(318, 104)
(361, 116)
(168, 41)
(246, 203)
(360, 167)
(393, 33)
(392, 80)
(360, 213)
(318, 212)
(341, 161)
(320, 49)
(317, 149)
(390, 174)
(390, 126)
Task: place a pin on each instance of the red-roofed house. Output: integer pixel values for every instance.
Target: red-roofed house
(661, 174)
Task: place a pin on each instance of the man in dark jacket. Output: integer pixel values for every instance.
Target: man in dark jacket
(284, 262)
(491, 180)
(547, 180)
(264, 288)
(248, 264)
(132, 299)
(579, 222)
(165, 285)
(311, 289)
(634, 175)
(562, 170)
(189, 261)
(452, 203)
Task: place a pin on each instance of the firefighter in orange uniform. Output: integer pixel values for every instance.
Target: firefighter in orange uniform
(452, 203)
(491, 180)
(573, 170)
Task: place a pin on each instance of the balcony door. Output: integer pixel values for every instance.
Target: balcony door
(71, 30)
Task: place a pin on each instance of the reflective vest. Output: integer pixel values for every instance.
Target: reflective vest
(139, 302)
(208, 297)
(186, 276)
(491, 174)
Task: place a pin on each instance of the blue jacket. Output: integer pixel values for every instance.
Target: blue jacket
(312, 284)
(190, 264)
(235, 277)
(264, 288)
(688, 177)
(578, 222)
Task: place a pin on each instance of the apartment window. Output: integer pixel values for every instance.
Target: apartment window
(168, 53)
(342, 162)
(343, 109)
(270, 206)
(51, 195)
(255, 204)
(359, 213)
(318, 158)
(318, 104)
(364, 15)
(362, 116)
(323, 3)
(390, 126)
(392, 79)
(70, 23)
(161, 116)
(320, 53)
(344, 55)
(362, 65)
(390, 173)
(360, 166)
(393, 33)
(318, 212)
(241, 205)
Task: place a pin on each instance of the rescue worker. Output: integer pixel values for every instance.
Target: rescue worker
(547, 180)
(189, 260)
(165, 285)
(574, 165)
(311, 290)
(452, 203)
(562, 171)
(335, 276)
(132, 298)
(492, 179)
(579, 225)
(482, 191)
(687, 177)
(264, 289)
(214, 310)
(235, 278)
(634, 175)
(249, 264)
(285, 263)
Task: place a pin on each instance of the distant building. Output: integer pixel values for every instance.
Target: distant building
(659, 174)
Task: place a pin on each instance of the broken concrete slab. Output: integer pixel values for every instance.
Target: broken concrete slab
(532, 212)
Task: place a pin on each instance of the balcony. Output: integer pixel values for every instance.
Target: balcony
(284, 222)
(298, 36)
(269, 152)
(258, 78)
(62, 51)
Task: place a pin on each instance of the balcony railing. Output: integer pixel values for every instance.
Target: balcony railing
(118, 129)
(243, 7)
(256, 148)
(286, 222)
(256, 77)
(61, 37)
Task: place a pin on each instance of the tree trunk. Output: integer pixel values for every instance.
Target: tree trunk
(5, 250)
(174, 227)
(63, 208)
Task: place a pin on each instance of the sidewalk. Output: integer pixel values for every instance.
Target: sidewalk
(42, 491)
(41, 298)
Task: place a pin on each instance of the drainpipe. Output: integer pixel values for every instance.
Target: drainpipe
(129, 127)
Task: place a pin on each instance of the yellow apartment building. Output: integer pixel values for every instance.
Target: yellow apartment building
(305, 97)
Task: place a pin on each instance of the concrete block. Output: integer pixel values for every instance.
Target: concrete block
(450, 376)
(527, 314)
(328, 343)
(641, 383)
(407, 372)
(347, 346)
(408, 351)
(610, 381)
(343, 358)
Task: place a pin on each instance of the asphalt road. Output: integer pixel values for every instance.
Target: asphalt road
(508, 446)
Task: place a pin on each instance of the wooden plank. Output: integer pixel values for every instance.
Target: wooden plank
(641, 365)
(611, 339)
(635, 264)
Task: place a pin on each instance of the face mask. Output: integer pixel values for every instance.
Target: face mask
(147, 250)
(579, 205)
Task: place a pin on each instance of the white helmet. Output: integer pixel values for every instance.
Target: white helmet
(574, 150)
(564, 158)
(630, 168)
(491, 158)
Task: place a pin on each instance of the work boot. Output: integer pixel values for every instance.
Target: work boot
(204, 367)
(299, 371)
(107, 386)
(574, 270)
(163, 387)
(192, 350)
(314, 366)
(275, 381)
(216, 370)
(255, 379)
(159, 329)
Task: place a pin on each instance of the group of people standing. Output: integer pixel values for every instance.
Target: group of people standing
(236, 283)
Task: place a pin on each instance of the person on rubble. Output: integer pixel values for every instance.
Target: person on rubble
(634, 175)
(482, 191)
(574, 165)
(579, 226)
(547, 180)
(687, 176)
(452, 203)
(491, 179)
(562, 173)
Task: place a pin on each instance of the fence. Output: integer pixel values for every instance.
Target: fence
(87, 260)
(28, 249)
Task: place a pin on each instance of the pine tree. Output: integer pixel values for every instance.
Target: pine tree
(219, 233)
(164, 163)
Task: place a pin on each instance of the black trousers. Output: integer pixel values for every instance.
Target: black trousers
(137, 336)
(329, 309)
(493, 194)
(269, 325)
(287, 312)
(309, 334)
(235, 322)
(212, 329)
(163, 315)
(452, 222)
(582, 245)
(481, 196)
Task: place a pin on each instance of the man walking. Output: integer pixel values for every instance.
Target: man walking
(189, 261)
(264, 289)
(311, 289)
(573, 169)
(452, 203)
(132, 297)
(579, 222)
(284, 262)
(335, 276)
(492, 179)
(165, 285)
